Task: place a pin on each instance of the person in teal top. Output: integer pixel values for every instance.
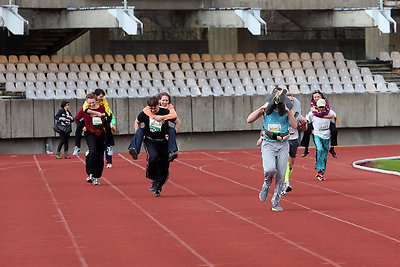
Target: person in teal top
(274, 147)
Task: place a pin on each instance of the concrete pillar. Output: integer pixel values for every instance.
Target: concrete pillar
(231, 41)
(375, 42)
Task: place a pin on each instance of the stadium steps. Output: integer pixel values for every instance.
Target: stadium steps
(378, 67)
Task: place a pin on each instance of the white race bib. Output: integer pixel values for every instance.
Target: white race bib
(155, 126)
(97, 121)
(274, 128)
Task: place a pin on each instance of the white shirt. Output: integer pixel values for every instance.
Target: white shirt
(294, 133)
(321, 125)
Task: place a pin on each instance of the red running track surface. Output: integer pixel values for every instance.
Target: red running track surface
(209, 214)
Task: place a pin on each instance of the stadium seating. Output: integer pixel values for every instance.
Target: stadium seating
(189, 75)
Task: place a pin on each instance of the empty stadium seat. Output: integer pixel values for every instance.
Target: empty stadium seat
(140, 58)
(184, 57)
(129, 59)
(3, 59)
(261, 56)
(249, 57)
(271, 56)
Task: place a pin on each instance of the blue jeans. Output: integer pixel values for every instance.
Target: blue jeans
(321, 155)
(137, 140)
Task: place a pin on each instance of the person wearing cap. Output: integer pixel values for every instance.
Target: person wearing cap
(65, 117)
(274, 146)
(322, 136)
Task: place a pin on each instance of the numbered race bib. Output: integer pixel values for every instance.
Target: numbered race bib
(155, 126)
(324, 128)
(274, 128)
(97, 121)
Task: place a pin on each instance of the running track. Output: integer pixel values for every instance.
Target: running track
(209, 214)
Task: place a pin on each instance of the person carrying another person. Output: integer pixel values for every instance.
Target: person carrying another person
(136, 143)
(156, 144)
(109, 138)
(322, 136)
(274, 147)
(305, 142)
(94, 135)
(64, 116)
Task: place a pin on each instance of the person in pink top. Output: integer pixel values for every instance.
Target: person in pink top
(305, 141)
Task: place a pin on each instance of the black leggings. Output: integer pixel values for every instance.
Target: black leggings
(95, 158)
(64, 137)
(157, 160)
(305, 141)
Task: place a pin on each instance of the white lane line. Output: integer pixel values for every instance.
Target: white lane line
(61, 215)
(308, 208)
(241, 217)
(324, 188)
(162, 226)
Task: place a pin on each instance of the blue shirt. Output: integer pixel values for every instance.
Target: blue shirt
(275, 124)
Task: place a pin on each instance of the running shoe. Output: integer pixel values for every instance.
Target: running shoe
(89, 179)
(305, 153)
(276, 207)
(109, 165)
(288, 187)
(263, 193)
(320, 177)
(96, 181)
(157, 193)
(153, 186)
(133, 153)
(76, 152)
(172, 156)
(332, 151)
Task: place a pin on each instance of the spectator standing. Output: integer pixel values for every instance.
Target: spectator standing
(64, 116)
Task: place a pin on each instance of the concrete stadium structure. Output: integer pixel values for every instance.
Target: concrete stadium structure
(213, 122)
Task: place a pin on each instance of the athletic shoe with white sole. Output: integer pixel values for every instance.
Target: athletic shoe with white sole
(276, 207)
(263, 193)
(96, 181)
(109, 165)
(89, 179)
(76, 152)
(320, 177)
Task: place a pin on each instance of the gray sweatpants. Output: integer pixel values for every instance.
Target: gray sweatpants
(275, 158)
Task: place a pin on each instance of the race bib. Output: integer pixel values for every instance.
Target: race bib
(155, 126)
(324, 128)
(97, 121)
(274, 128)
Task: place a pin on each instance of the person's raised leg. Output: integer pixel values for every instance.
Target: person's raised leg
(172, 146)
(305, 141)
(334, 134)
(78, 137)
(136, 143)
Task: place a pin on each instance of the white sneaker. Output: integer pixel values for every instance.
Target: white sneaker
(109, 165)
(76, 152)
(109, 150)
(96, 181)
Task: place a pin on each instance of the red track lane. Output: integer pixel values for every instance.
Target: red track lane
(209, 215)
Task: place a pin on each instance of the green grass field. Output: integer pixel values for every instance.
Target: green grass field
(389, 165)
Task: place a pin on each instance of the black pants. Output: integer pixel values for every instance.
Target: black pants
(64, 138)
(109, 138)
(157, 160)
(95, 158)
(305, 141)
